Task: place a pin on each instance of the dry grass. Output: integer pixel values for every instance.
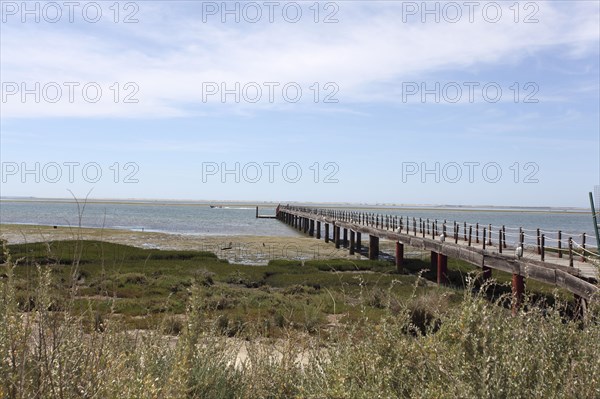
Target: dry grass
(415, 350)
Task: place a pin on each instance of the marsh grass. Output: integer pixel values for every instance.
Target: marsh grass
(398, 337)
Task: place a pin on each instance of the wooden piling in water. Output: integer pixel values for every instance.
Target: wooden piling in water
(352, 243)
(326, 232)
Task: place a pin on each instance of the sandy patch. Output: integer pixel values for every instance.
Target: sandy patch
(236, 249)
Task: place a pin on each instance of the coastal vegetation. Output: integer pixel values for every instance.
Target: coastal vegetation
(96, 319)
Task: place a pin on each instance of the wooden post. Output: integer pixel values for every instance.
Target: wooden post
(336, 236)
(358, 244)
(470, 232)
(352, 243)
(543, 245)
(490, 235)
(521, 237)
(476, 233)
(326, 232)
(373, 247)
(442, 269)
(484, 238)
(583, 247)
(311, 228)
(570, 251)
(499, 240)
(539, 242)
(345, 238)
(257, 212)
(399, 256)
(318, 230)
(465, 231)
(518, 288)
(504, 236)
(559, 244)
(456, 232)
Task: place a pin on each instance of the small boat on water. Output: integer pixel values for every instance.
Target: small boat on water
(216, 206)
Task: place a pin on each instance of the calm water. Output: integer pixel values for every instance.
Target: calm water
(180, 219)
(200, 219)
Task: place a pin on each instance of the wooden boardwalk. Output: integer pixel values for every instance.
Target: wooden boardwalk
(566, 265)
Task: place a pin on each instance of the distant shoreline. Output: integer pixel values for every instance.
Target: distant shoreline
(464, 208)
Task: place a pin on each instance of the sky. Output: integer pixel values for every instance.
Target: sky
(464, 103)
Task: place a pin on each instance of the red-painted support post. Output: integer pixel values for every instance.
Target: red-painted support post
(373, 247)
(326, 232)
(352, 243)
(518, 289)
(442, 269)
(399, 256)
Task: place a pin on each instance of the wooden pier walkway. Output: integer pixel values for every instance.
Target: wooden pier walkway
(567, 264)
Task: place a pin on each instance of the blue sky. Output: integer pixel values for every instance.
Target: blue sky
(369, 143)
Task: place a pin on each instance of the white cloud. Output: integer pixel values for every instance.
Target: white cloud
(368, 53)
